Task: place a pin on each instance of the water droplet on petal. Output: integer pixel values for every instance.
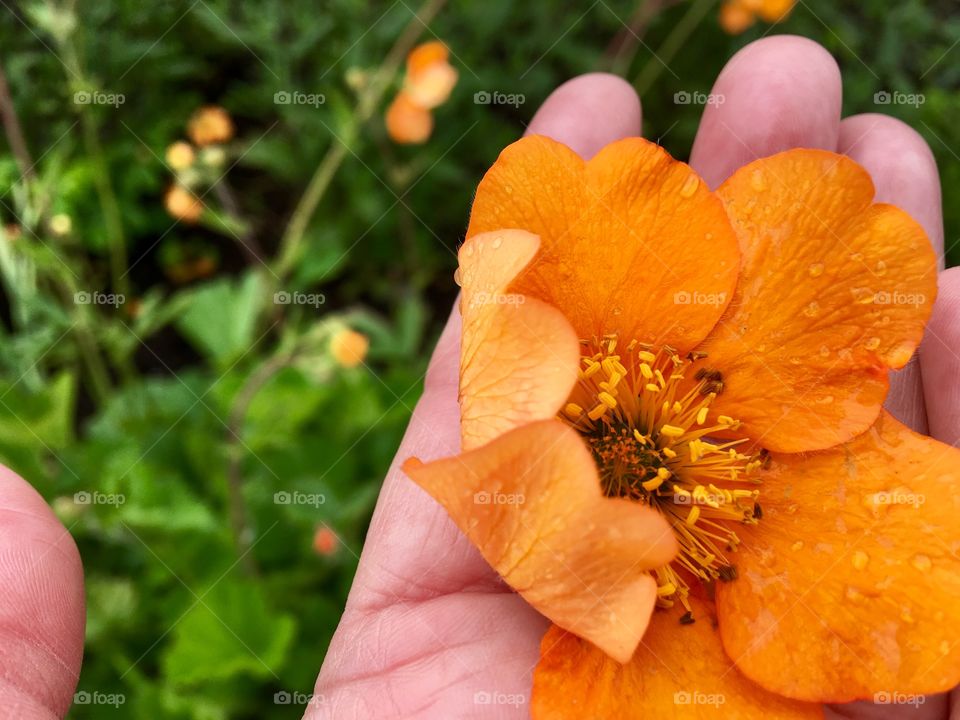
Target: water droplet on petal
(872, 343)
(690, 186)
(812, 310)
(815, 269)
(824, 351)
(881, 268)
(921, 562)
(757, 181)
(860, 559)
(458, 277)
(854, 595)
(497, 243)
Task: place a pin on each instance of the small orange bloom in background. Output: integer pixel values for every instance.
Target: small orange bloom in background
(672, 424)
(429, 80)
(348, 347)
(325, 541)
(180, 155)
(209, 125)
(407, 122)
(738, 15)
(183, 204)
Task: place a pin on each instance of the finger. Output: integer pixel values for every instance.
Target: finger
(589, 112)
(775, 94)
(940, 361)
(414, 552)
(41, 605)
(904, 172)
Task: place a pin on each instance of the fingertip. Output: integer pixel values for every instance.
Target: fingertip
(940, 362)
(589, 112)
(42, 613)
(775, 94)
(902, 166)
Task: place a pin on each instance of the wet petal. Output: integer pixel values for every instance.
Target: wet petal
(519, 356)
(679, 671)
(531, 502)
(633, 242)
(834, 291)
(851, 578)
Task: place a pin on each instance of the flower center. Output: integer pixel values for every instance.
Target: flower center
(646, 417)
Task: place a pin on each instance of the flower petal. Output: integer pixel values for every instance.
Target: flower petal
(833, 292)
(851, 578)
(531, 502)
(407, 122)
(633, 242)
(519, 356)
(679, 671)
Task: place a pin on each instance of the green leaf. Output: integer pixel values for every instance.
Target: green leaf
(230, 631)
(221, 315)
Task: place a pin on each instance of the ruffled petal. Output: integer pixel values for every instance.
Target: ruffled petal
(531, 502)
(679, 671)
(633, 242)
(519, 356)
(851, 579)
(833, 292)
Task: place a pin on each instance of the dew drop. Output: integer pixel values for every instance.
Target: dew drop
(458, 277)
(812, 310)
(508, 189)
(856, 257)
(921, 562)
(825, 400)
(798, 545)
(860, 559)
(854, 595)
(881, 268)
(757, 181)
(690, 186)
(815, 269)
(618, 311)
(872, 343)
(497, 243)
(824, 351)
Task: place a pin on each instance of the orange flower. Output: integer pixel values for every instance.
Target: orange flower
(737, 15)
(209, 125)
(428, 83)
(349, 347)
(325, 542)
(183, 204)
(407, 122)
(180, 155)
(643, 363)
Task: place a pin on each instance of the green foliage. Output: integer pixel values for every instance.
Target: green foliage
(187, 423)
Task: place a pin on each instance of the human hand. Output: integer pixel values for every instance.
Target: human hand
(429, 625)
(429, 629)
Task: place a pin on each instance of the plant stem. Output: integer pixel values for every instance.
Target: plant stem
(671, 46)
(292, 240)
(11, 126)
(237, 507)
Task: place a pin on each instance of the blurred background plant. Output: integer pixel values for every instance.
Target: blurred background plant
(221, 278)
